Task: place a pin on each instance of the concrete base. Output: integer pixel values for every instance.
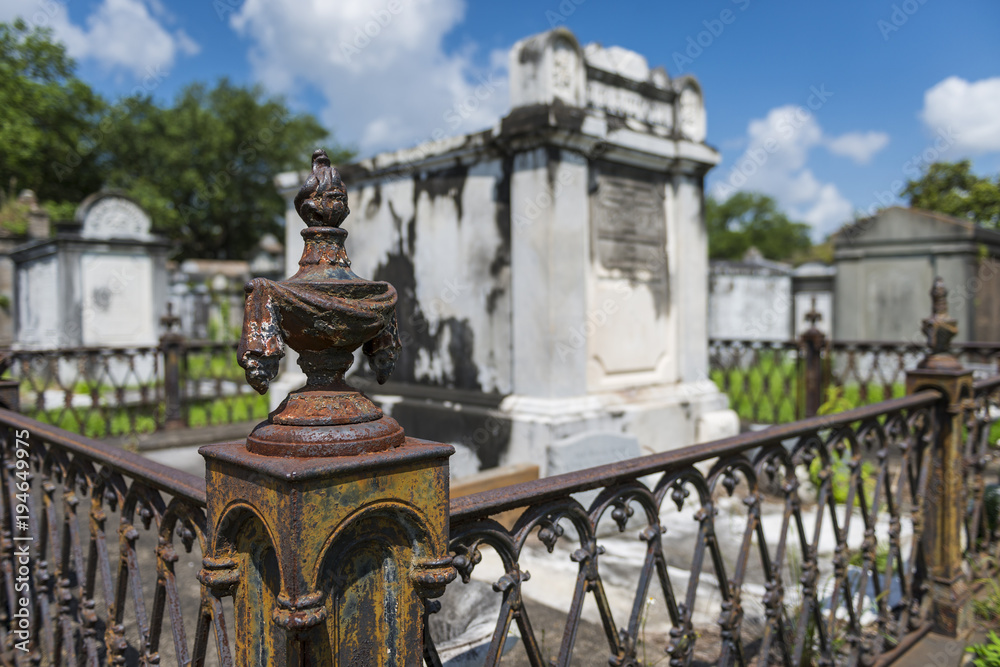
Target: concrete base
(521, 429)
(660, 418)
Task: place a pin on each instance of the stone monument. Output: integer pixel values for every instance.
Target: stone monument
(552, 270)
(101, 282)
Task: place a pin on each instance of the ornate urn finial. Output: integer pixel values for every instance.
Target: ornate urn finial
(939, 329)
(324, 312)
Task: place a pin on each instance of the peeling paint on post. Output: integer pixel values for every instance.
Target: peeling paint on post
(328, 526)
(945, 505)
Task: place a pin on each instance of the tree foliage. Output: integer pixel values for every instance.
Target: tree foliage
(952, 188)
(47, 118)
(202, 166)
(748, 219)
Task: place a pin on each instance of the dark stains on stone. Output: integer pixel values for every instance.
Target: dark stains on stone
(461, 346)
(553, 157)
(500, 264)
(373, 205)
(397, 220)
(539, 118)
(493, 297)
(415, 330)
(411, 234)
(441, 183)
(529, 53)
(616, 122)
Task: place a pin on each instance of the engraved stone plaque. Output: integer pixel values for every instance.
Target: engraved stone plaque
(627, 218)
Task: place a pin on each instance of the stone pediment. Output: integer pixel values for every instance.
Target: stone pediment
(109, 215)
(610, 81)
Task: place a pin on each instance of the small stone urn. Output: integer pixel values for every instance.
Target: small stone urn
(325, 312)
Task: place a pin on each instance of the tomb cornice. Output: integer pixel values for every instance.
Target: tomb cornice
(908, 248)
(75, 242)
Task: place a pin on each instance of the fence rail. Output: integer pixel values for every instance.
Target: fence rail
(833, 580)
(806, 543)
(768, 381)
(105, 392)
(102, 543)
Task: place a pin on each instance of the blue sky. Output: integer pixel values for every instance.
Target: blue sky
(898, 79)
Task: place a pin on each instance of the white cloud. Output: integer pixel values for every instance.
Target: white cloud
(119, 34)
(859, 146)
(381, 66)
(971, 111)
(775, 163)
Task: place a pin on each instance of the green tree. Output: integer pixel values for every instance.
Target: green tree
(748, 219)
(204, 166)
(48, 119)
(952, 188)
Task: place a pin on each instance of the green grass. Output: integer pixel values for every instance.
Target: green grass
(95, 424)
(227, 410)
(766, 392)
(202, 365)
(137, 420)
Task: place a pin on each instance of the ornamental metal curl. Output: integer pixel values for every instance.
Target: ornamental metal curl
(833, 576)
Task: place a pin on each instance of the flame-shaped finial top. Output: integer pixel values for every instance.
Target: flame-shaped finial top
(939, 297)
(939, 329)
(322, 201)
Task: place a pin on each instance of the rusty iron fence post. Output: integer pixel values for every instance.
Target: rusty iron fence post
(172, 349)
(945, 504)
(329, 526)
(10, 390)
(812, 342)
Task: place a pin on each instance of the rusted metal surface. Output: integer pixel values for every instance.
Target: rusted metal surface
(324, 312)
(103, 392)
(764, 467)
(171, 344)
(770, 381)
(981, 479)
(945, 500)
(813, 346)
(328, 526)
(487, 503)
(890, 501)
(104, 534)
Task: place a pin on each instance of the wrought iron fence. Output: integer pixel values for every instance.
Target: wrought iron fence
(772, 577)
(762, 378)
(97, 391)
(100, 548)
(214, 388)
(980, 480)
(106, 392)
(768, 382)
(803, 544)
